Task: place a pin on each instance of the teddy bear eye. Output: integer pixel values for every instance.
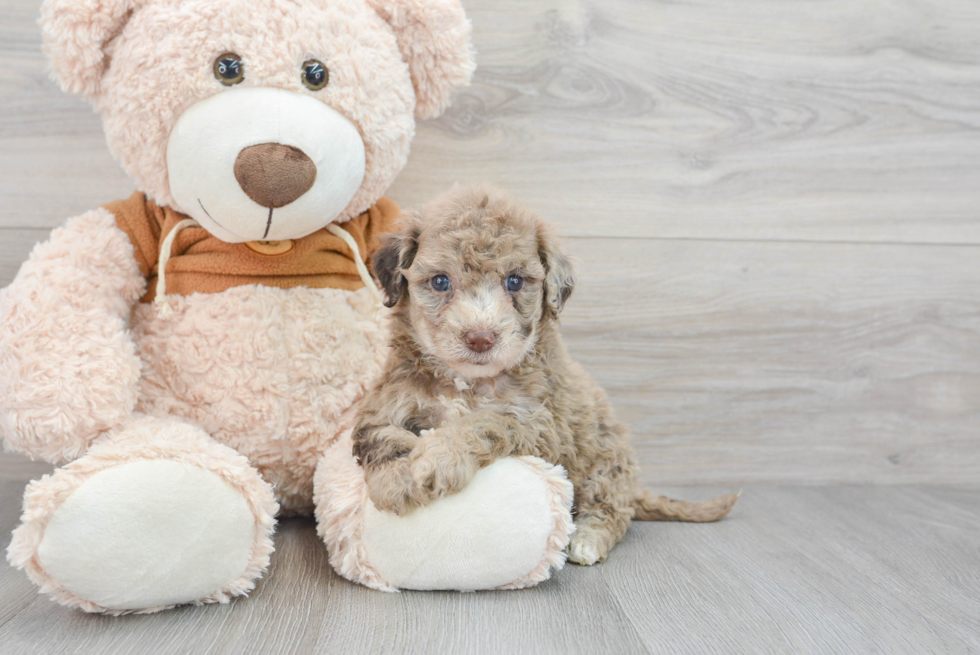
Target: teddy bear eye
(229, 69)
(440, 283)
(315, 75)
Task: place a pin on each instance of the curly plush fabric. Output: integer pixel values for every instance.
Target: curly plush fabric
(69, 367)
(434, 38)
(272, 373)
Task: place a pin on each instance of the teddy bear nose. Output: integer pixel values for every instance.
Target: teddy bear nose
(481, 341)
(274, 175)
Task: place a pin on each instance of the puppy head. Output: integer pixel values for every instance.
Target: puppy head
(475, 274)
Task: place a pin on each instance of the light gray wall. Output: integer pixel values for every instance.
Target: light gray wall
(775, 207)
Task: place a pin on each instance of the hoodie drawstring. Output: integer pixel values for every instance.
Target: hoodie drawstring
(163, 305)
(362, 270)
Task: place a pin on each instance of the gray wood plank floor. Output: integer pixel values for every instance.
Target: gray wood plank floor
(794, 569)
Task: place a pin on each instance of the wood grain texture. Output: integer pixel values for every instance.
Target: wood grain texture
(828, 570)
(14, 467)
(736, 359)
(833, 120)
(744, 362)
(53, 159)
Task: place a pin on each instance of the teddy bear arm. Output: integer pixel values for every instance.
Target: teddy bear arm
(68, 365)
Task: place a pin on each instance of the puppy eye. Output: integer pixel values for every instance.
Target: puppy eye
(315, 75)
(440, 283)
(515, 283)
(229, 69)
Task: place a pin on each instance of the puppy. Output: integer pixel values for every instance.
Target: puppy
(477, 371)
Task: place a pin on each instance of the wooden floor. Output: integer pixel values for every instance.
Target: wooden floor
(795, 569)
(775, 209)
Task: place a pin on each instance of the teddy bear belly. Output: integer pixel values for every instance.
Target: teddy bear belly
(273, 373)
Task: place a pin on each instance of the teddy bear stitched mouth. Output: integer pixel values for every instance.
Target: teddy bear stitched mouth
(274, 175)
(268, 225)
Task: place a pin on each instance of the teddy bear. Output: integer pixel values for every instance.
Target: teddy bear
(193, 356)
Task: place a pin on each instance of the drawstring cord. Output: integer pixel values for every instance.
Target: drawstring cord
(163, 305)
(362, 270)
(166, 311)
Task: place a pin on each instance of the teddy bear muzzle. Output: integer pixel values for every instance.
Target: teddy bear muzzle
(262, 163)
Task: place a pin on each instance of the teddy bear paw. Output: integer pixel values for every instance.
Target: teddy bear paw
(156, 516)
(507, 528)
(148, 534)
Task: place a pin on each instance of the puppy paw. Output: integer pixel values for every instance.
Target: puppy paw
(587, 547)
(438, 468)
(391, 488)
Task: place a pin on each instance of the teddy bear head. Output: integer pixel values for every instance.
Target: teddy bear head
(261, 119)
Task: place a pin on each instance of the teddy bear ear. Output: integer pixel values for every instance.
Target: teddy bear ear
(75, 36)
(434, 38)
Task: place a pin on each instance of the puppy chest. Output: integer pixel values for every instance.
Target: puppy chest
(486, 395)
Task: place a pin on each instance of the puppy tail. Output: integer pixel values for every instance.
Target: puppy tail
(650, 507)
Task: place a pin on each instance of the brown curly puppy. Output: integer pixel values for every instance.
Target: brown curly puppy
(478, 371)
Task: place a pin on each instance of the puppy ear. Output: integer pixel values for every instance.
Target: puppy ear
(559, 279)
(75, 36)
(397, 253)
(434, 38)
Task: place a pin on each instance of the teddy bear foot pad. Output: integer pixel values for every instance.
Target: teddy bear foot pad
(146, 534)
(126, 540)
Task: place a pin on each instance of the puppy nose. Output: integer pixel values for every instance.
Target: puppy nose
(480, 342)
(274, 175)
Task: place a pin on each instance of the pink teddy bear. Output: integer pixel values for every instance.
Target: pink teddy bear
(196, 353)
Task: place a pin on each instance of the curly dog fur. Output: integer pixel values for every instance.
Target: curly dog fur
(478, 371)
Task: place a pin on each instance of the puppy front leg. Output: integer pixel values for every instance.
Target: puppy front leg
(445, 459)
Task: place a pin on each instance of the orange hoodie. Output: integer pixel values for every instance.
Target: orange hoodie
(201, 263)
